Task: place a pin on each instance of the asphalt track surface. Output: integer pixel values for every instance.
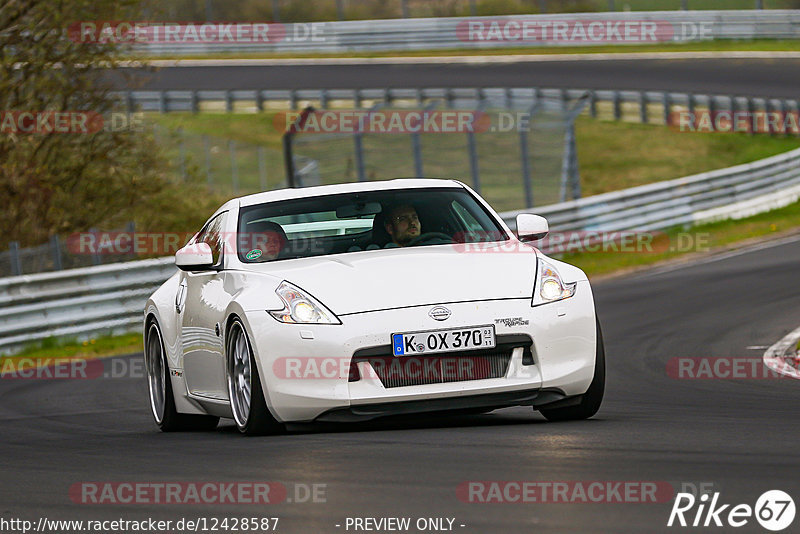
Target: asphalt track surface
(740, 435)
(770, 77)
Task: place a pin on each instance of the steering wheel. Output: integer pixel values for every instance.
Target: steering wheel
(431, 236)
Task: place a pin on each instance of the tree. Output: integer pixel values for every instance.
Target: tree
(65, 182)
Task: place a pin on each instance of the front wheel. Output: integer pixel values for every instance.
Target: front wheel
(591, 400)
(244, 386)
(162, 402)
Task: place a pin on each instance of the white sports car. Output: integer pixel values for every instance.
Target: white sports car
(355, 301)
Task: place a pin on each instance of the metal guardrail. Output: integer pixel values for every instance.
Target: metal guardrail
(734, 192)
(641, 106)
(111, 297)
(77, 302)
(442, 33)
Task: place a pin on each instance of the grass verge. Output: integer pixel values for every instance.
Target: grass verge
(687, 244)
(100, 347)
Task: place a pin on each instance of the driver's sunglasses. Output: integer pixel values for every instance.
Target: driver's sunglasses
(406, 218)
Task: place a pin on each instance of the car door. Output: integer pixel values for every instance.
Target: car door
(203, 317)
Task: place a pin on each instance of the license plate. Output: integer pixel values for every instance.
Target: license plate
(435, 341)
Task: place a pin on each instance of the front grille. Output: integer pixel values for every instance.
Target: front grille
(394, 372)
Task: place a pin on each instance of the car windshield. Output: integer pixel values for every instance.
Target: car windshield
(370, 220)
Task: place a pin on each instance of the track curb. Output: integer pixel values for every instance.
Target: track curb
(783, 357)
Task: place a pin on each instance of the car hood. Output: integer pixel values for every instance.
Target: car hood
(393, 278)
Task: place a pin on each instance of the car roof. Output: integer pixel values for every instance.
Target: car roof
(321, 190)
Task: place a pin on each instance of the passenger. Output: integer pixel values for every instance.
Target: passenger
(267, 240)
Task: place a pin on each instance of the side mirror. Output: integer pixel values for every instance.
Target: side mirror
(196, 257)
(531, 227)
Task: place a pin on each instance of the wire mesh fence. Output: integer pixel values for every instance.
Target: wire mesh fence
(515, 157)
(223, 165)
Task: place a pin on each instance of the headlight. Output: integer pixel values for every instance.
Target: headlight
(549, 286)
(301, 308)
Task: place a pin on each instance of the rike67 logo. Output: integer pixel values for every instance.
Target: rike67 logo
(774, 510)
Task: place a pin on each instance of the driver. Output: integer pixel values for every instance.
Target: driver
(402, 224)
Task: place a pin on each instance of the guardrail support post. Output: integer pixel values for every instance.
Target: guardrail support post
(615, 99)
(259, 100)
(691, 105)
(784, 109)
(357, 99)
(796, 113)
(642, 107)
(323, 98)
(162, 102)
(229, 101)
(195, 103)
(665, 100)
(593, 104)
(751, 108)
(96, 248)
(55, 249)
(712, 111)
(292, 99)
(16, 264)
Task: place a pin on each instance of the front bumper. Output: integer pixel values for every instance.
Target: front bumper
(305, 369)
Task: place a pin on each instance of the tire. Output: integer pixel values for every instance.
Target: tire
(248, 403)
(159, 385)
(591, 400)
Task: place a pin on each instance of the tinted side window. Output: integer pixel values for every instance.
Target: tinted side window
(212, 234)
